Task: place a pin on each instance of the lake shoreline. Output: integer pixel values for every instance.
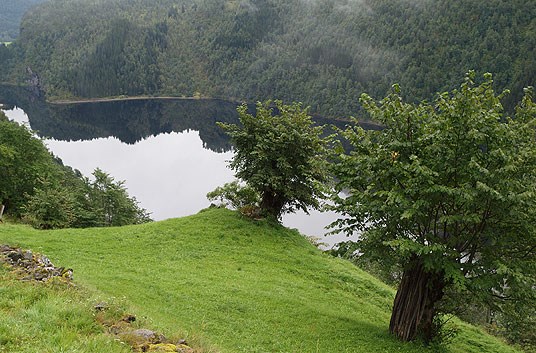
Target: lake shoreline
(132, 98)
(237, 101)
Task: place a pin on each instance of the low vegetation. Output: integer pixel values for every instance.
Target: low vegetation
(228, 284)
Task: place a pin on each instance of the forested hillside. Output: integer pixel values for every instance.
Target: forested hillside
(10, 15)
(321, 52)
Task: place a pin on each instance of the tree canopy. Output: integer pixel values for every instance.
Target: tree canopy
(23, 159)
(281, 155)
(447, 190)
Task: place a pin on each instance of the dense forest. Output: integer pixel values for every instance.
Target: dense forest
(324, 53)
(10, 16)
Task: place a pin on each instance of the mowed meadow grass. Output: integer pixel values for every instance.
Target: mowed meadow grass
(231, 285)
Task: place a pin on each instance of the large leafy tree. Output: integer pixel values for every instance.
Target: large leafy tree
(447, 191)
(281, 156)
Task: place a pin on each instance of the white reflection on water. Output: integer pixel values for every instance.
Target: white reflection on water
(169, 174)
(17, 115)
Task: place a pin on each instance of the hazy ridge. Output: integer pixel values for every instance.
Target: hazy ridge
(322, 52)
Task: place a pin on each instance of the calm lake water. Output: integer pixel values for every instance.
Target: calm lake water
(170, 153)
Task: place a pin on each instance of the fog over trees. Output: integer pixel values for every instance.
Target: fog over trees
(324, 53)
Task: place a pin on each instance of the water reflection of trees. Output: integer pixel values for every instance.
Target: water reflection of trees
(131, 120)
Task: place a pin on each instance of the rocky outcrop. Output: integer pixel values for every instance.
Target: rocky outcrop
(31, 266)
(34, 83)
(139, 339)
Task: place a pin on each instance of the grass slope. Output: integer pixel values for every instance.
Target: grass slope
(234, 285)
(38, 318)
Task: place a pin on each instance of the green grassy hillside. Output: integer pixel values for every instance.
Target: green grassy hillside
(234, 285)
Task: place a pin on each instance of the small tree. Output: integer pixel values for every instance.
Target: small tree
(112, 204)
(282, 157)
(448, 191)
(51, 206)
(234, 195)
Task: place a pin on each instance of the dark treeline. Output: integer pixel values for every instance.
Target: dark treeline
(324, 53)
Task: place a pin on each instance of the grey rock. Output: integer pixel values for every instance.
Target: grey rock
(149, 335)
(27, 255)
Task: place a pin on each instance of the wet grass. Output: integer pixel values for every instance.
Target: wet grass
(234, 285)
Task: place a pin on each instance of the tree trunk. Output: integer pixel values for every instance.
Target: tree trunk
(414, 307)
(2, 207)
(271, 204)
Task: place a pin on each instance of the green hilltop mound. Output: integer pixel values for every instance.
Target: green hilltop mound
(234, 285)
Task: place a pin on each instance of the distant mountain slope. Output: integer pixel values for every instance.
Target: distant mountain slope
(11, 12)
(322, 52)
(236, 285)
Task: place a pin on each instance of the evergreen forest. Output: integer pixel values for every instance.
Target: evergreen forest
(324, 53)
(11, 15)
